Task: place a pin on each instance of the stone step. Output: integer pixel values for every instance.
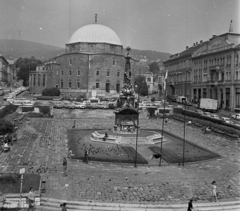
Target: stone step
(54, 204)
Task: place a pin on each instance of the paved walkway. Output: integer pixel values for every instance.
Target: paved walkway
(43, 142)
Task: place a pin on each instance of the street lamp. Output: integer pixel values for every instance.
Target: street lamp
(136, 86)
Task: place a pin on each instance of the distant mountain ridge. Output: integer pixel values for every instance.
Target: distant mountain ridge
(22, 48)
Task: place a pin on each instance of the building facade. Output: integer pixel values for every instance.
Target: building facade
(92, 64)
(208, 70)
(6, 72)
(216, 71)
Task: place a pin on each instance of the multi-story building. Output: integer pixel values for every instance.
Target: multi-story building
(3, 70)
(179, 68)
(216, 71)
(93, 64)
(6, 71)
(208, 70)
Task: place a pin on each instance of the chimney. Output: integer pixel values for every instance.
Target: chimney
(214, 36)
(196, 43)
(193, 44)
(201, 41)
(186, 47)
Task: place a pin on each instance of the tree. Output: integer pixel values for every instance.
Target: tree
(25, 65)
(154, 68)
(142, 87)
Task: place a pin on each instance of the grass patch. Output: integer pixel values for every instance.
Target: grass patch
(172, 151)
(10, 183)
(79, 140)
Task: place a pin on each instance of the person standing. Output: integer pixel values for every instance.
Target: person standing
(190, 205)
(64, 166)
(63, 207)
(31, 199)
(214, 192)
(86, 156)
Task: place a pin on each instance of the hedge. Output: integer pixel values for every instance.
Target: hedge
(51, 92)
(44, 110)
(44, 98)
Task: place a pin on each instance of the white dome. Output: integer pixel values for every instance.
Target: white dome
(95, 33)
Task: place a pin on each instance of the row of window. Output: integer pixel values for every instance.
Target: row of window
(97, 85)
(79, 73)
(113, 62)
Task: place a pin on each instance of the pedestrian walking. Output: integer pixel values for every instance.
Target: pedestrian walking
(214, 192)
(31, 200)
(64, 166)
(190, 205)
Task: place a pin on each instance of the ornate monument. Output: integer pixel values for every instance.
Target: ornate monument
(127, 113)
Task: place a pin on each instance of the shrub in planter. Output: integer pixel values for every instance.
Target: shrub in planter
(27, 109)
(44, 110)
(5, 126)
(51, 92)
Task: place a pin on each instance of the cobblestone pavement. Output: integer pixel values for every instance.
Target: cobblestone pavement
(43, 143)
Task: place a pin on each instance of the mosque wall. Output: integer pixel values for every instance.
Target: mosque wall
(104, 69)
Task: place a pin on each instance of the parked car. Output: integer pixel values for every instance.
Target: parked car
(227, 120)
(215, 116)
(199, 111)
(236, 116)
(207, 114)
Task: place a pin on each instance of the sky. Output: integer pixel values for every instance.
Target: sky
(160, 25)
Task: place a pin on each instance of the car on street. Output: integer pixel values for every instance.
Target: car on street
(236, 116)
(227, 120)
(199, 111)
(207, 114)
(215, 116)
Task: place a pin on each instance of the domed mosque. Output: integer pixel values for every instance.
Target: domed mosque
(92, 65)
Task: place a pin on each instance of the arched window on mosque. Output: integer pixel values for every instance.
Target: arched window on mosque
(114, 61)
(107, 86)
(97, 84)
(69, 83)
(118, 87)
(108, 73)
(70, 72)
(78, 72)
(118, 74)
(61, 83)
(97, 72)
(78, 83)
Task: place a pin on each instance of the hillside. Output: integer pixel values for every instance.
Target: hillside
(22, 48)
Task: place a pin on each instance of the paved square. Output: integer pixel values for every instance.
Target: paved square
(42, 143)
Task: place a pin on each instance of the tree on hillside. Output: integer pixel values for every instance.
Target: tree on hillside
(141, 87)
(153, 67)
(25, 65)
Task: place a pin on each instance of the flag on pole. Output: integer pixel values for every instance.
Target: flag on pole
(165, 80)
